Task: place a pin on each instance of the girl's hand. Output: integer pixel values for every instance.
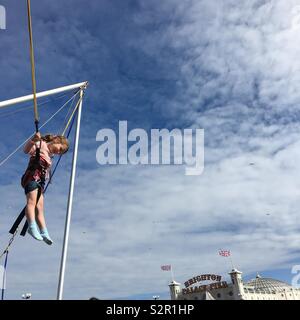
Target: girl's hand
(37, 137)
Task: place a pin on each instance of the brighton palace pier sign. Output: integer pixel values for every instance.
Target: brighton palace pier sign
(204, 277)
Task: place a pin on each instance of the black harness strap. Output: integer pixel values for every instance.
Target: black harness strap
(24, 229)
(18, 221)
(21, 216)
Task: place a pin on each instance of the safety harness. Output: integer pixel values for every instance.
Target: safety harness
(36, 170)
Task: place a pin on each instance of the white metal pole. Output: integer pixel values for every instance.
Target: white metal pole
(69, 208)
(42, 94)
(231, 262)
(172, 273)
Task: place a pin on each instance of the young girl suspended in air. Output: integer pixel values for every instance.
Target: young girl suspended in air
(41, 150)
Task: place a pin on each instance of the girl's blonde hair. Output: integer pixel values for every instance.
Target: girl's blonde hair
(50, 138)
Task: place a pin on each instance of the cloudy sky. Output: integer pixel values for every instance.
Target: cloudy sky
(230, 68)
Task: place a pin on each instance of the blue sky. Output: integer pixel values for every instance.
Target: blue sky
(229, 68)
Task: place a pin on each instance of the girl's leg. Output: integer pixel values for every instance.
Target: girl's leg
(31, 204)
(30, 214)
(40, 218)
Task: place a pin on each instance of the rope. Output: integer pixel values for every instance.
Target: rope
(75, 109)
(58, 161)
(11, 240)
(20, 146)
(36, 115)
(66, 117)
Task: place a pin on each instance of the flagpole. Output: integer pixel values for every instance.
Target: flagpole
(231, 261)
(227, 254)
(172, 274)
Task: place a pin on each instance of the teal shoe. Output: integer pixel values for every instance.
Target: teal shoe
(46, 237)
(34, 232)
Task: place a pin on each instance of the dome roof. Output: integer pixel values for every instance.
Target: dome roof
(260, 283)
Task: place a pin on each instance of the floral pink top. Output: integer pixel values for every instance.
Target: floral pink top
(31, 146)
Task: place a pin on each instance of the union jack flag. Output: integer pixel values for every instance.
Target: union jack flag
(166, 267)
(224, 253)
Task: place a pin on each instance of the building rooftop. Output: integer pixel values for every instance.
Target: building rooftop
(260, 283)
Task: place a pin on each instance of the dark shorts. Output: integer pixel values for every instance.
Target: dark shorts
(32, 185)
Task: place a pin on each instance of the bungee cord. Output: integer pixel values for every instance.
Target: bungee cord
(36, 114)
